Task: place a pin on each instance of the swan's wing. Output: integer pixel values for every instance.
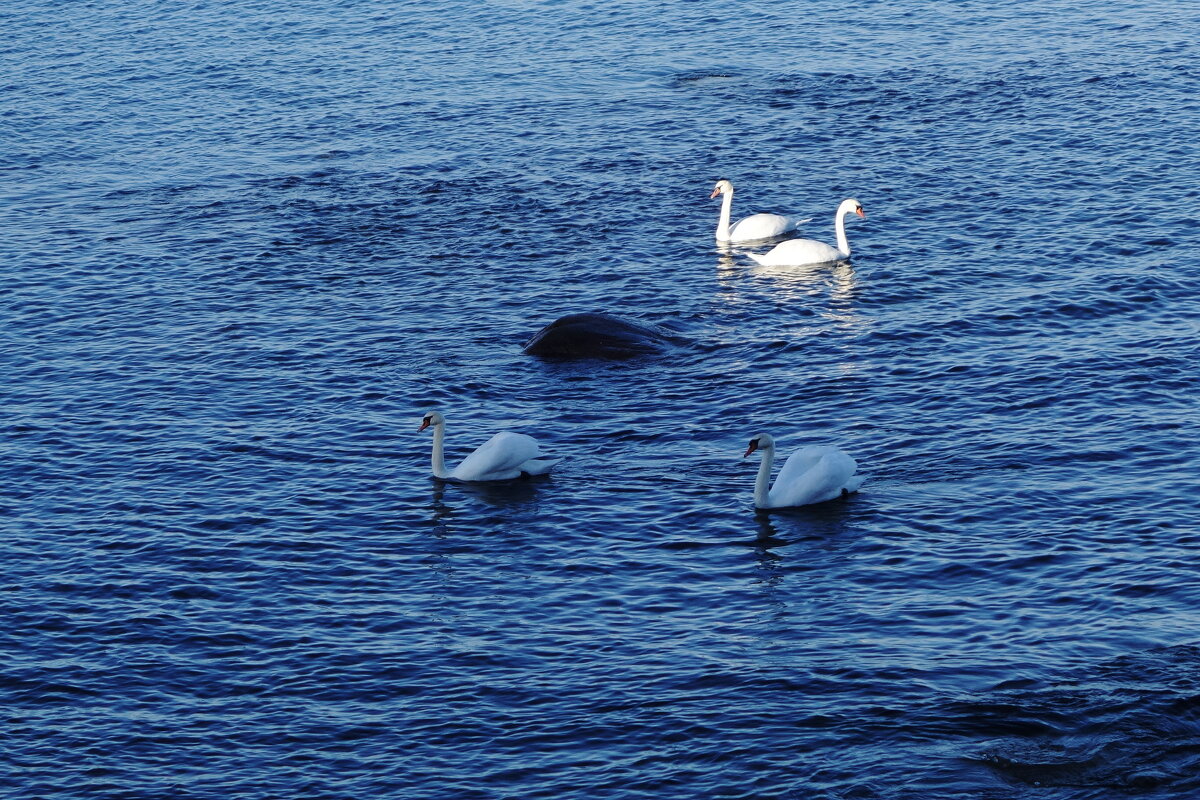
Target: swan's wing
(813, 475)
(798, 252)
(799, 463)
(498, 458)
(760, 226)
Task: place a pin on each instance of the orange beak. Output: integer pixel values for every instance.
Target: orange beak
(424, 425)
(753, 446)
(714, 194)
(860, 212)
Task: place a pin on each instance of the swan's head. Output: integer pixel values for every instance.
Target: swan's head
(723, 187)
(851, 206)
(763, 441)
(431, 418)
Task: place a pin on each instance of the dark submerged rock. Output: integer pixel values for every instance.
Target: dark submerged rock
(598, 336)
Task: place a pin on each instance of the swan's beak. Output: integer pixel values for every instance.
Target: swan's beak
(753, 446)
(424, 425)
(860, 212)
(714, 194)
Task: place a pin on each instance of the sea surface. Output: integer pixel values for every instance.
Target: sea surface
(246, 245)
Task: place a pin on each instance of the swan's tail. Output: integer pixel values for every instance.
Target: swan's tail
(796, 223)
(760, 259)
(853, 483)
(539, 466)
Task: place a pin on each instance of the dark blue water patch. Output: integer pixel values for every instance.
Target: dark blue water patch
(1100, 733)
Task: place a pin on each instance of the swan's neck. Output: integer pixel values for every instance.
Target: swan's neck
(839, 223)
(723, 222)
(762, 485)
(438, 462)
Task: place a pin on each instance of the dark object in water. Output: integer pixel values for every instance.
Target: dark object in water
(597, 336)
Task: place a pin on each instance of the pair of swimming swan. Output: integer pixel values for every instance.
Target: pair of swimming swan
(812, 474)
(793, 252)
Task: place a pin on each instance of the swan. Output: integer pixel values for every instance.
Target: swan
(812, 474)
(506, 455)
(753, 227)
(797, 252)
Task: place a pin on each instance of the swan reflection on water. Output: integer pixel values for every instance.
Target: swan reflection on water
(727, 266)
(448, 518)
(837, 278)
(768, 581)
(834, 284)
(514, 493)
(783, 526)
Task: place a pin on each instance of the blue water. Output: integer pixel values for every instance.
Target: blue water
(246, 245)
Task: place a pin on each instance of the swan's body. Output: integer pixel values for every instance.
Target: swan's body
(503, 457)
(797, 252)
(753, 227)
(812, 474)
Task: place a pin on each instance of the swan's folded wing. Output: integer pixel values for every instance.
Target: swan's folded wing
(799, 463)
(812, 474)
(498, 457)
(761, 226)
(798, 252)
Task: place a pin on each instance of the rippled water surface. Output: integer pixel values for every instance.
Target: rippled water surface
(247, 244)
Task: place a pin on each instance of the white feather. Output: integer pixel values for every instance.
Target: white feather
(812, 474)
(753, 227)
(505, 456)
(798, 252)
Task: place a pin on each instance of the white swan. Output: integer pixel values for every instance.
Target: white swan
(812, 474)
(797, 252)
(504, 456)
(753, 227)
